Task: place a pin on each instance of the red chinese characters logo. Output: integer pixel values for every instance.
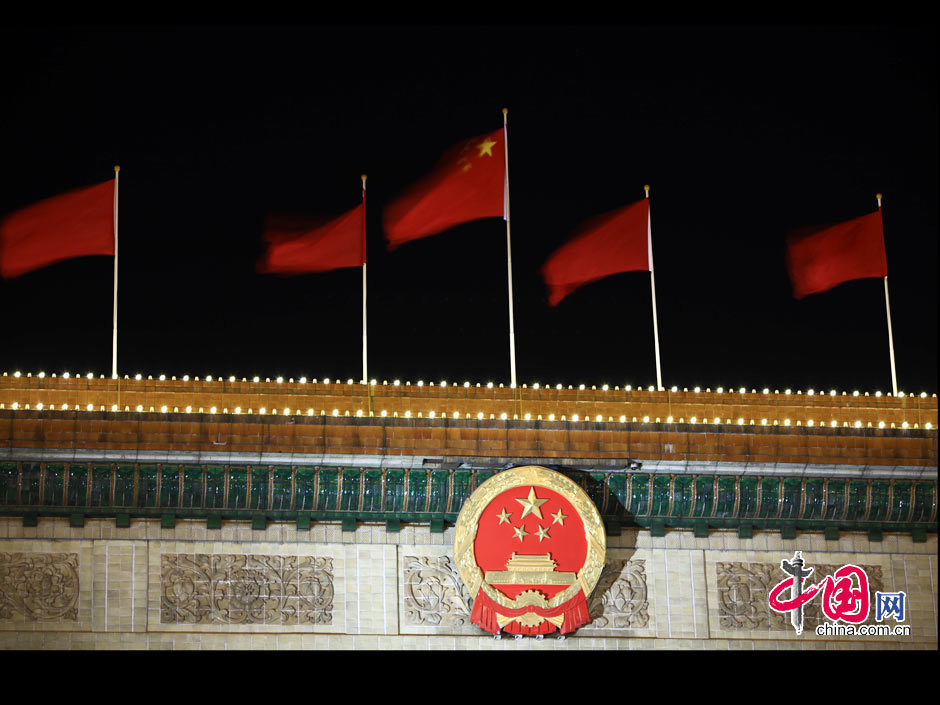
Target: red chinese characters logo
(845, 595)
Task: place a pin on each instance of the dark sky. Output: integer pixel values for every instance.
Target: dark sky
(744, 133)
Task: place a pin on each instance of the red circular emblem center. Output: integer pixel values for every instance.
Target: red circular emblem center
(530, 533)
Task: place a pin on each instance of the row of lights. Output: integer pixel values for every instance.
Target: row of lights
(490, 385)
(481, 415)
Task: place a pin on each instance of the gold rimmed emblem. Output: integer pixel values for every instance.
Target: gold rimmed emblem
(529, 569)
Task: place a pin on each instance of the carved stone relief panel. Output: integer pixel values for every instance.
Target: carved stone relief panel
(434, 594)
(743, 589)
(42, 587)
(245, 589)
(620, 600)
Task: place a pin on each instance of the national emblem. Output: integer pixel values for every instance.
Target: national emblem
(524, 579)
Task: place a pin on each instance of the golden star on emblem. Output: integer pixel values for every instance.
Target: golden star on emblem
(520, 532)
(543, 533)
(531, 504)
(559, 518)
(503, 516)
(486, 147)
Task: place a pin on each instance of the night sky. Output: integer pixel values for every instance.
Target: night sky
(744, 134)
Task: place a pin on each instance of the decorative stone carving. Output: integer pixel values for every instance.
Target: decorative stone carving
(434, 593)
(743, 589)
(620, 600)
(245, 589)
(43, 587)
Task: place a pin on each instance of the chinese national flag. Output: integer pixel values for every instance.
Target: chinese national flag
(73, 224)
(611, 243)
(297, 246)
(819, 259)
(468, 183)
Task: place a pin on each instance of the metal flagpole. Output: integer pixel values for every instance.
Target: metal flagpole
(365, 357)
(894, 376)
(649, 239)
(114, 372)
(512, 328)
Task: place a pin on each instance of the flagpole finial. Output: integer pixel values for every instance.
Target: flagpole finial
(878, 196)
(117, 168)
(505, 111)
(363, 177)
(646, 188)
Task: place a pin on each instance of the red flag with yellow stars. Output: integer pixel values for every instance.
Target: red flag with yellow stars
(467, 184)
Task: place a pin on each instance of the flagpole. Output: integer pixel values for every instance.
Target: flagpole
(114, 338)
(649, 235)
(365, 356)
(512, 328)
(894, 375)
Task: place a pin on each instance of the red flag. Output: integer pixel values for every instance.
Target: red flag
(73, 224)
(611, 243)
(297, 247)
(468, 183)
(819, 259)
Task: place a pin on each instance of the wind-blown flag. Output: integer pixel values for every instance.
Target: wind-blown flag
(819, 259)
(297, 246)
(468, 183)
(618, 241)
(74, 224)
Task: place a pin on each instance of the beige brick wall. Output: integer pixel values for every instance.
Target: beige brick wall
(400, 590)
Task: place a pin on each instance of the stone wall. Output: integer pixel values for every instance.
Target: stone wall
(146, 587)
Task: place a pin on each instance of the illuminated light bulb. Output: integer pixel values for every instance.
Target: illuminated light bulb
(90, 375)
(212, 410)
(574, 417)
(646, 419)
(786, 422)
(697, 390)
(535, 386)
(16, 374)
(858, 424)
(720, 390)
(599, 418)
(15, 405)
(581, 387)
(605, 387)
(693, 420)
(628, 388)
(443, 383)
(65, 375)
(763, 422)
(502, 416)
(557, 386)
(810, 392)
(923, 395)
(623, 419)
(466, 384)
(786, 391)
(408, 414)
(834, 423)
(208, 378)
(349, 381)
(430, 414)
(928, 425)
(162, 378)
(256, 379)
(877, 394)
(551, 417)
(528, 417)
(41, 375)
(652, 388)
(904, 425)
(766, 390)
(668, 419)
(675, 388)
(489, 385)
(456, 414)
(260, 411)
(114, 407)
(855, 393)
(163, 409)
(881, 424)
(335, 412)
(480, 415)
(832, 392)
(420, 383)
(809, 423)
(39, 406)
(717, 420)
(742, 390)
(384, 412)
